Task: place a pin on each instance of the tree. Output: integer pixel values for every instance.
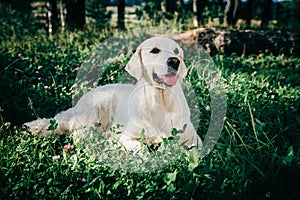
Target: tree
(198, 8)
(53, 15)
(75, 17)
(16, 17)
(231, 12)
(248, 10)
(170, 8)
(97, 15)
(151, 10)
(121, 14)
(265, 17)
(266, 11)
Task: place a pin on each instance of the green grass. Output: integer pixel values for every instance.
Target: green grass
(256, 157)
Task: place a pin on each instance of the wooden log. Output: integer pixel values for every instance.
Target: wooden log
(242, 42)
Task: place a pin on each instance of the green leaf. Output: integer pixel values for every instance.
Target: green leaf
(170, 177)
(193, 159)
(53, 125)
(174, 132)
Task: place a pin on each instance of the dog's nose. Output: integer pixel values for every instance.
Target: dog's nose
(173, 63)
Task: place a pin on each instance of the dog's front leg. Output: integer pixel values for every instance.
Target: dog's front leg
(190, 137)
(130, 144)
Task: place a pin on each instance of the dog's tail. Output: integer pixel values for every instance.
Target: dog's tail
(62, 123)
(39, 126)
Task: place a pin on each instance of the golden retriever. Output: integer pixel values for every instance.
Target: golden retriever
(154, 106)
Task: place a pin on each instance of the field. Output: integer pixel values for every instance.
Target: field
(256, 157)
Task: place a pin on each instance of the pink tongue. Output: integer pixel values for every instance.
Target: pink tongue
(169, 80)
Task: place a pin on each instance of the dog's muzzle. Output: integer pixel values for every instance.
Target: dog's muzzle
(167, 80)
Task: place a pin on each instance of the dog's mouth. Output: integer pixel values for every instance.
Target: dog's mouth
(167, 80)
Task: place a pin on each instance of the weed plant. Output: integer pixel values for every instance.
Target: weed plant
(256, 157)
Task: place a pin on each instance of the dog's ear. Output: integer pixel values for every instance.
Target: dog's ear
(135, 66)
(182, 69)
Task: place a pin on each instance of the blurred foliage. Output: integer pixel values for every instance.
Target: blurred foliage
(17, 16)
(41, 66)
(152, 12)
(283, 14)
(97, 14)
(288, 14)
(16, 19)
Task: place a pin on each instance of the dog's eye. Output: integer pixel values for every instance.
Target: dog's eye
(155, 50)
(176, 51)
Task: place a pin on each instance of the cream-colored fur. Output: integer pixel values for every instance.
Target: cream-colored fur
(153, 106)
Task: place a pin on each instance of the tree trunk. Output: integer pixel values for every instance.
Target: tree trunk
(62, 12)
(221, 4)
(248, 10)
(231, 12)
(266, 13)
(170, 6)
(121, 14)
(195, 19)
(75, 17)
(54, 15)
(198, 8)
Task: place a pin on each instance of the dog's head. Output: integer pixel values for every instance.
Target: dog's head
(158, 61)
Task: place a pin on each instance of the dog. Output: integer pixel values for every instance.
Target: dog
(154, 106)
